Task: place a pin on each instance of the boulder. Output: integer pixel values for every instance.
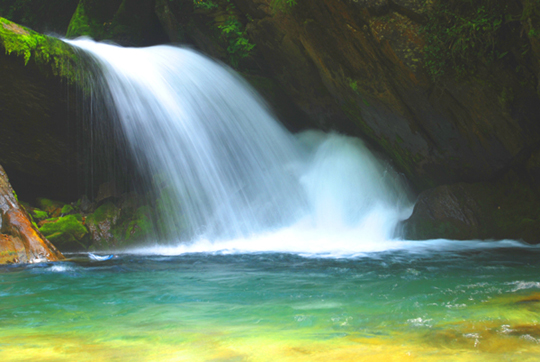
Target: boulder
(506, 208)
(20, 240)
(68, 233)
(449, 212)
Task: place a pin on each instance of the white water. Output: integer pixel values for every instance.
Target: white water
(237, 179)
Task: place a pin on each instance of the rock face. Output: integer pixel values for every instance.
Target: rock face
(20, 241)
(38, 144)
(359, 67)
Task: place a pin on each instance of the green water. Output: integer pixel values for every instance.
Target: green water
(439, 305)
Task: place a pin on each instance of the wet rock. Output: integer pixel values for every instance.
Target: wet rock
(101, 224)
(38, 143)
(503, 209)
(85, 205)
(444, 212)
(66, 232)
(20, 240)
(107, 190)
(51, 207)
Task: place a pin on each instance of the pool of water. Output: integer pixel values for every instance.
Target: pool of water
(474, 305)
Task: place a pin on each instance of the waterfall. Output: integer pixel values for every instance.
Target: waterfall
(232, 172)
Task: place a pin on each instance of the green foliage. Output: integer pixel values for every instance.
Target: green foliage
(531, 17)
(42, 15)
(282, 5)
(239, 46)
(461, 34)
(204, 4)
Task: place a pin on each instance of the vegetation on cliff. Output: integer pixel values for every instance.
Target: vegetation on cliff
(464, 35)
(43, 16)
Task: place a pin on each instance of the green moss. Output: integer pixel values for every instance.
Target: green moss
(107, 211)
(66, 209)
(141, 226)
(45, 51)
(65, 232)
(40, 214)
(82, 24)
(48, 205)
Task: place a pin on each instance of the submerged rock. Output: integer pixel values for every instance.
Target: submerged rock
(20, 240)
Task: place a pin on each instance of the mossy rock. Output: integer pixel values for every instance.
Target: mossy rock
(107, 211)
(502, 209)
(67, 209)
(165, 207)
(52, 207)
(66, 232)
(47, 52)
(101, 224)
(40, 214)
(140, 227)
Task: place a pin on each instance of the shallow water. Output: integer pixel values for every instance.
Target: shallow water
(402, 305)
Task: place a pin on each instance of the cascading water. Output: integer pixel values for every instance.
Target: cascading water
(233, 173)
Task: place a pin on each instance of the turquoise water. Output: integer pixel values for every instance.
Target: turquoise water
(477, 304)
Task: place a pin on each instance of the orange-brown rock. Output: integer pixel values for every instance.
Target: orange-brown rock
(20, 241)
